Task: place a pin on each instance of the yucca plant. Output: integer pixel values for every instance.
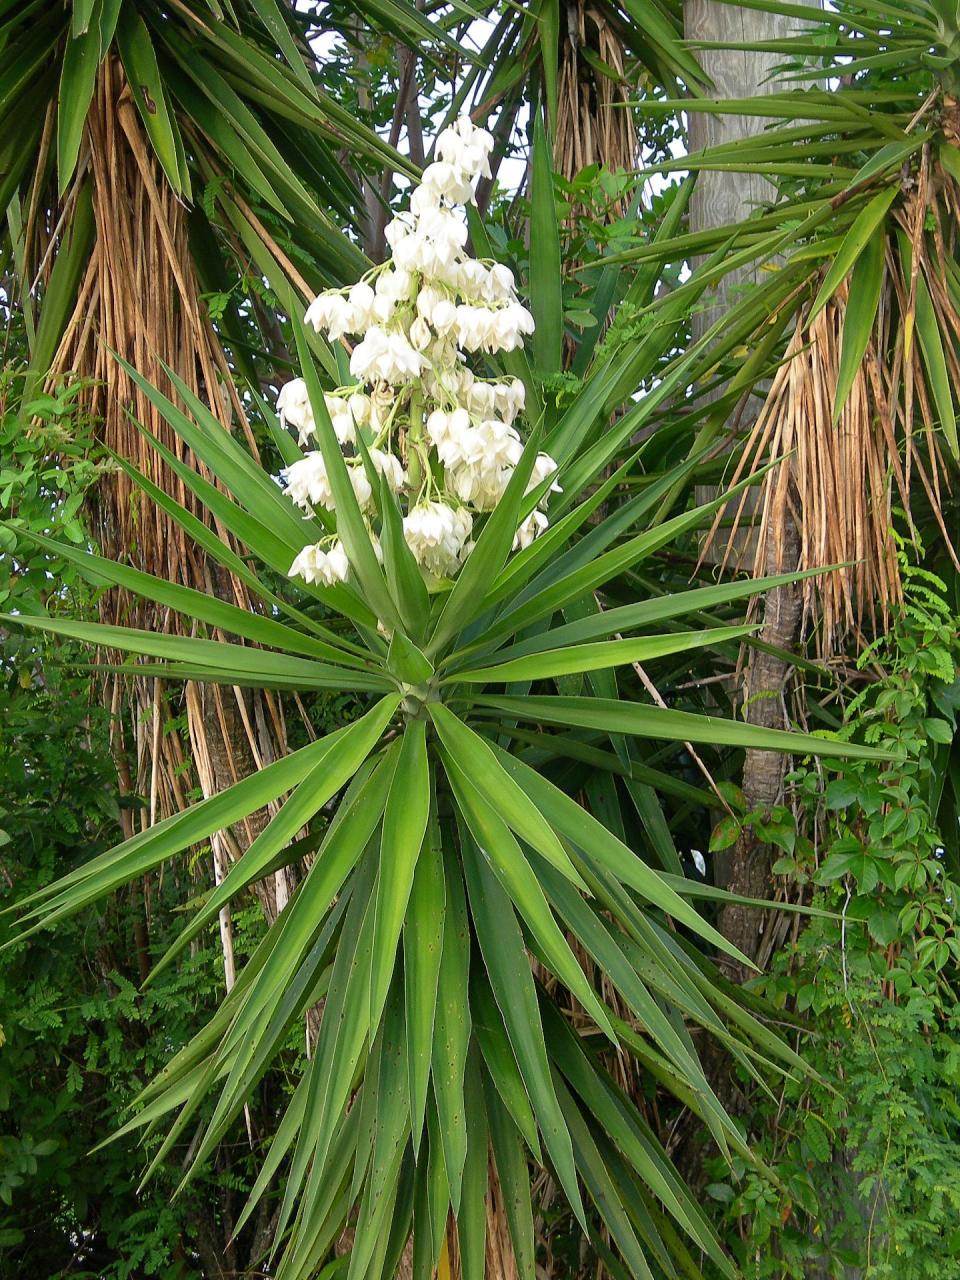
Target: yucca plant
(226, 95)
(862, 223)
(460, 908)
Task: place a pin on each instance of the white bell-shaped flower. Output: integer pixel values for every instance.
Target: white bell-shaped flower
(391, 468)
(480, 486)
(293, 408)
(386, 357)
(436, 532)
(543, 466)
(331, 313)
(308, 483)
(535, 523)
(320, 566)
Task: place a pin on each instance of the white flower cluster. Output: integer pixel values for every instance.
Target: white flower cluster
(309, 485)
(443, 438)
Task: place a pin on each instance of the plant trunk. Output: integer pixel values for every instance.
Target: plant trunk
(748, 867)
(718, 199)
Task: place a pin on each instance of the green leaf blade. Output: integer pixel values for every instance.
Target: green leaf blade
(404, 827)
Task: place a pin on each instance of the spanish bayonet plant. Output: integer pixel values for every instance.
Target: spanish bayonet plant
(451, 570)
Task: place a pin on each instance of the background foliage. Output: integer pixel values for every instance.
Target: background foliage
(861, 1163)
(868, 1154)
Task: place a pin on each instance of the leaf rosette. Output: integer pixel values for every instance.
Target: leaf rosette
(459, 901)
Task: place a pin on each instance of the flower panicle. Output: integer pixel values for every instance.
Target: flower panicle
(415, 320)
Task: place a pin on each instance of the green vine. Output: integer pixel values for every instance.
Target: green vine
(867, 1158)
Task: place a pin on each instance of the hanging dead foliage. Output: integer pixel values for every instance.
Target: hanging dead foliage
(139, 297)
(858, 439)
(594, 126)
(833, 483)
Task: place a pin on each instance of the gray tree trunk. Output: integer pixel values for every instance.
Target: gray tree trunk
(720, 199)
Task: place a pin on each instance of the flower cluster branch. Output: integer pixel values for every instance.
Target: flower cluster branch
(443, 438)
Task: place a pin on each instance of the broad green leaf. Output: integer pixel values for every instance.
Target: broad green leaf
(61, 291)
(282, 1141)
(649, 810)
(261, 538)
(856, 239)
(221, 111)
(372, 1230)
(196, 604)
(407, 662)
(203, 536)
(653, 24)
(619, 1119)
(150, 95)
(547, 14)
(630, 617)
(262, 1027)
(206, 1040)
(306, 933)
(263, 499)
(472, 1217)
(274, 20)
(601, 944)
(603, 1191)
(573, 822)
(596, 657)
(229, 661)
(508, 968)
(497, 844)
(82, 16)
(150, 848)
(514, 1179)
(349, 747)
(77, 79)
(404, 826)
(859, 315)
(232, 464)
(641, 289)
(451, 1036)
(568, 747)
(527, 562)
(546, 275)
(888, 157)
(392, 1105)
(938, 377)
(613, 716)
(252, 679)
(218, 124)
(501, 1063)
(109, 15)
(533, 604)
(431, 1235)
(422, 949)
(343, 1033)
(474, 757)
